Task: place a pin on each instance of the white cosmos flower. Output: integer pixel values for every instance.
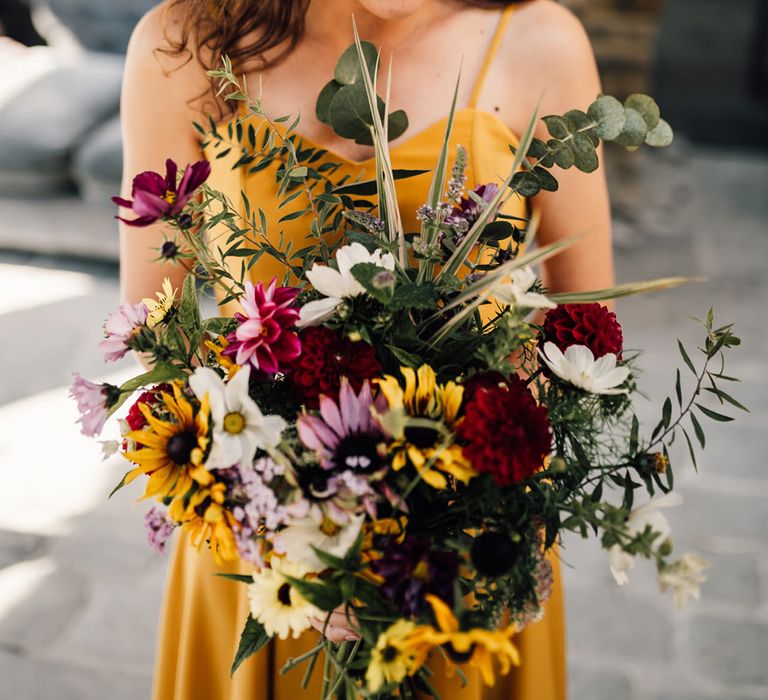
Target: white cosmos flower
(684, 577)
(297, 540)
(239, 426)
(339, 284)
(517, 293)
(579, 367)
(646, 515)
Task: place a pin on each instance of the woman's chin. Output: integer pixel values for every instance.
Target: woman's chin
(392, 9)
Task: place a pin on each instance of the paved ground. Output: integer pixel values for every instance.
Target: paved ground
(80, 592)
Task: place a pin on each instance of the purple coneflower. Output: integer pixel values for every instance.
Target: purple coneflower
(93, 402)
(156, 197)
(468, 210)
(264, 337)
(120, 327)
(345, 435)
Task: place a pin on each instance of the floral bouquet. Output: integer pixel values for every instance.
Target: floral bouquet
(387, 431)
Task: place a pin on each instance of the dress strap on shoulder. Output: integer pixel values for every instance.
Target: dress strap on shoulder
(490, 54)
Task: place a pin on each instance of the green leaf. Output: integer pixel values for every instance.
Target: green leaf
(563, 152)
(253, 639)
(634, 434)
(414, 296)
(398, 124)
(322, 596)
(323, 106)
(661, 136)
(526, 183)
(686, 358)
(726, 397)
(497, 231)
(714, 415)
(647, 108)
(585, 155)
(368, 187)
(189, 309)
(240, 578)
(404, 357)
(698, 430)
(348, 69)
(635, 130)
(161, 372)
(610, 116)
(691, 451)
(365, 274)
(557, 126)
(678, 388)
(546, 181)
(666, 412)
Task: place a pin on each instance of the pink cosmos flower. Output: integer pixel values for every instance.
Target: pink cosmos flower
(119, 329)
(264, 338)
(93, 402)
(156, 197)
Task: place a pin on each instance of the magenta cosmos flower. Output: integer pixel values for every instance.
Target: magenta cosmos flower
(120, 327)
(93, 402)
(264, 337)
(156, 197)
(345, 436)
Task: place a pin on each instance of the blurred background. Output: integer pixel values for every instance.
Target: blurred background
(79, 589)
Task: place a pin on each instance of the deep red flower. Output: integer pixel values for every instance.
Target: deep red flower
(326, 357)
(156, 197)
(135, 417)
(505, 432)
(482, 380)
(592, 325)
(264, 337)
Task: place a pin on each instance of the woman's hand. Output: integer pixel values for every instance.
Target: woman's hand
(337, 626)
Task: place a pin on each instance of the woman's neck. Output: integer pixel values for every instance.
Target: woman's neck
(330, 23)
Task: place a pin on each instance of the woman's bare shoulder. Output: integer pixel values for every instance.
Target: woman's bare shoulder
(153, 65)
(547, 46)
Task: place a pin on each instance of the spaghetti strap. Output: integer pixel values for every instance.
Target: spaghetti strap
(493, 48)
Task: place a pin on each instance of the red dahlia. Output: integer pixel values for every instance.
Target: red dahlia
(326, 357)
(592, 325)
(135, 417)
(505, 432)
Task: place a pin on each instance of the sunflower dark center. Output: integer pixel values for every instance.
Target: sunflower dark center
(284, 594)
(180, 447)
(422, 437)
(389, 654)
(358, 452)
(459, 657)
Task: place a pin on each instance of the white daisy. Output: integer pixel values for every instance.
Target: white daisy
(340, 284)
(276, 604)
(579, 367)
(239, 426)
(648, 515)
(517, 292)
(684, 577)
(297, 540)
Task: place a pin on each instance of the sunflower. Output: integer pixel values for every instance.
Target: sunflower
(393, 657)
(171, 449)
(276, 604)
(475, 647)
(160, 309)
(422, 418)
(217, 346)
(204, 517)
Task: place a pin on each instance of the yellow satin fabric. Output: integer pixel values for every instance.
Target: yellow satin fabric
(204, 614)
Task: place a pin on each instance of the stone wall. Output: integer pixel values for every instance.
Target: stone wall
(624, 34)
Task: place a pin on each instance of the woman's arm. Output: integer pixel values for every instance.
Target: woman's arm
(555, 53)
(157, 115)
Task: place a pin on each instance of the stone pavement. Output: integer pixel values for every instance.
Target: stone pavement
(80, 591)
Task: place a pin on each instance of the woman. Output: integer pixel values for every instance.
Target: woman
(508, 52)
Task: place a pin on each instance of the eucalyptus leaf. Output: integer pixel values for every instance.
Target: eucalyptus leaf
(557, 126)
(647, 108)
(563, 153)
(610, 116)
(323, 106)
(635, 130)
(585, 155)
(661, 136)
(348, 69)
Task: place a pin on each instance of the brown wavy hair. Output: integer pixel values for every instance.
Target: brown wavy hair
(220, 26)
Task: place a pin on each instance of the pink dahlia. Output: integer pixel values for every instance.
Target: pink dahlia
(264, 337)
(156, 197)
(120, 327)
(93, 402)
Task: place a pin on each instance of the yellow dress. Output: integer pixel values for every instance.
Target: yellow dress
(204, 614)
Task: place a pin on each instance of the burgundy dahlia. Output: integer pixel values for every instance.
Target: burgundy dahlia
(326, 357)
(156, 197)
(592, 325)
(264, 337)
(505, 432)
(411, 569)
